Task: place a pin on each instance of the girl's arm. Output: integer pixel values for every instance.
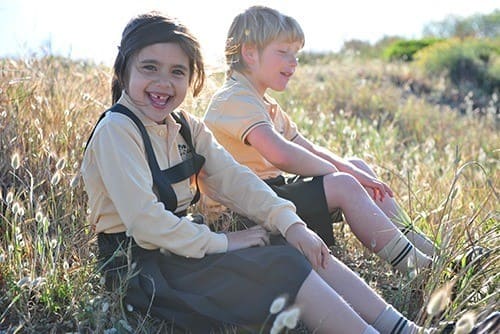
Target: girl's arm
(237, 187)
(117, 173)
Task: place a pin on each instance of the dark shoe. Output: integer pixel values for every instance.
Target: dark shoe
(465, 266)
(470, 260)
(490, 325)
(449, 328)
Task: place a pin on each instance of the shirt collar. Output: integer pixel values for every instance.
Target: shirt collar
(243, 81)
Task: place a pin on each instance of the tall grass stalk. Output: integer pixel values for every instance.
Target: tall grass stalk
(443, 166)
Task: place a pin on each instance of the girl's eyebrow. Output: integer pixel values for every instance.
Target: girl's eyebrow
(156, 62)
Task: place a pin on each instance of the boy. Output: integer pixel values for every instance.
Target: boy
(261, 50)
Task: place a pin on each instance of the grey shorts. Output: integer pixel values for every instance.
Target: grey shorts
(308, 195)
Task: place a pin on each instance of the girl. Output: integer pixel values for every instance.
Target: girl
(142, 168)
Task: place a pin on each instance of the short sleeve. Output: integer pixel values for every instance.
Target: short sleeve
(237, 116)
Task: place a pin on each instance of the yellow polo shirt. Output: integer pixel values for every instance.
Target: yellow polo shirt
(236, 109)
(120, 192)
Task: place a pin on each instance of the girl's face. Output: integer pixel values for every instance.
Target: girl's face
(159, 79)
(275, 65)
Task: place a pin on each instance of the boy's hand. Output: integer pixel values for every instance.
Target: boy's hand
(309, 244)
(379, 188)
(254, 236)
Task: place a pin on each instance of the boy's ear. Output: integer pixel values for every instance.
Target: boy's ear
(249, 53)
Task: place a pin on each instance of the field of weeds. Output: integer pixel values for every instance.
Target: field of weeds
(441, 160)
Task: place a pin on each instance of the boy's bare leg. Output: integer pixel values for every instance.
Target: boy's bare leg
(398, 216)
(370, 224)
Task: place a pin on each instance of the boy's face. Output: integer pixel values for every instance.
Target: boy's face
(275, 65)
(159, 79)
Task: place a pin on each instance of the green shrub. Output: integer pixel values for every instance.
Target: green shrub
(406, 49)
(466, 63)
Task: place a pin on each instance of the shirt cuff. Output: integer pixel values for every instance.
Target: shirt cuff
(285, 219)
(218, 244)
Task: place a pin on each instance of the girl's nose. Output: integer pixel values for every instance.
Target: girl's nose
(165, 81)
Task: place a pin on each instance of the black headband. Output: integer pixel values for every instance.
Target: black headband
(149, 33)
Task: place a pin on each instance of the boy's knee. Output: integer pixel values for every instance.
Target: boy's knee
(340, 189)
(340, 180)
(361, 164)
(358, 162)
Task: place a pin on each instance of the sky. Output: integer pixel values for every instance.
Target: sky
(91, 29)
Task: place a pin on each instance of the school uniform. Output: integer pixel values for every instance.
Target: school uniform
(183, 270)
(234, 111)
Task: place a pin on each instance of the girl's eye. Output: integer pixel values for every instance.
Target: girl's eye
(150, 68)
(178, 72)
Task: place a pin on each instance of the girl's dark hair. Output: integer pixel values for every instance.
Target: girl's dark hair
(151, 28)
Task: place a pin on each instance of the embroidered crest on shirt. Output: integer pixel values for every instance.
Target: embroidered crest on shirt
(184, 151)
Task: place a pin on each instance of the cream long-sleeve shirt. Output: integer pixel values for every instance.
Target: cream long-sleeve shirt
(119, 186)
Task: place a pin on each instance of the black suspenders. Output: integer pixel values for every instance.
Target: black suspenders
(163, 179)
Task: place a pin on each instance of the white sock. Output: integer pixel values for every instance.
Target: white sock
(370, 330)
(419, 240)
(402, 255)
(391, 321)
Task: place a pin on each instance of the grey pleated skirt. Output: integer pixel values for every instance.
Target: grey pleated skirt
(203, 295)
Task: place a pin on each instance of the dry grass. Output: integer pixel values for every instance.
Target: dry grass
(442, 165)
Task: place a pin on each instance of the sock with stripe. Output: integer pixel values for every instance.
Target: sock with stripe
(370, 330)
(402, 255)
(393, 322)
(419, 240)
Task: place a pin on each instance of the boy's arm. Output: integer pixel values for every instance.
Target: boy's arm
(345, 166)
(286, 155)
(304, 158)
(341, 164)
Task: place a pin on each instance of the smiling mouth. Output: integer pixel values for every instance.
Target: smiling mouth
(159, 100)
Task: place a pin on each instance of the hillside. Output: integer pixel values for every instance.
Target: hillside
(437, 149)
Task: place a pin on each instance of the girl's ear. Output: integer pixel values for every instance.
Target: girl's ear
(249, 53)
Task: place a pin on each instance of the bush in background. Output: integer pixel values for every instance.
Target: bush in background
(406, 49)
(469, 64)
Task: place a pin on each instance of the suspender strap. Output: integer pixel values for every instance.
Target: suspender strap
(163, 179)
(93, 130)
(196, 159)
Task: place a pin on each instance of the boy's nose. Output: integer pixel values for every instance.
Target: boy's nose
(294, 61)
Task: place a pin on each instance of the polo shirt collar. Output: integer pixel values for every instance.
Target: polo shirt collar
(242, 80)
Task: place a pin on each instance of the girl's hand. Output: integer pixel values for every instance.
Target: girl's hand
(254, 236)
(309, 244)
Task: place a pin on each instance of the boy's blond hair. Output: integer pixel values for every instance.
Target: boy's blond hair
(258, 26)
